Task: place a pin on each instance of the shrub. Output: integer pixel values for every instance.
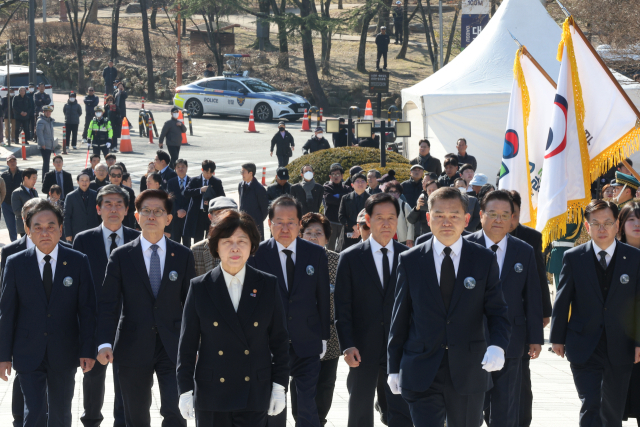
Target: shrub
(346, 156)
(403, 170)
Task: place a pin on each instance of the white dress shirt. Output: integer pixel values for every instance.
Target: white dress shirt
(234, 285)
(29, 243)
(377, 256)
(438, 255)
(106, 236)
(283, 258)
(147, 251)
(610, 250)
(52, 261)
(502, 249)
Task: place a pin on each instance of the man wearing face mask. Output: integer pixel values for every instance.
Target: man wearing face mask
(283, 141)
(308, 192)
(316, 143)
(40, 99)
(100, 133)
(72, 112)
(172, 130)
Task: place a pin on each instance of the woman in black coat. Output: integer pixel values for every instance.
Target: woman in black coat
(233, 335)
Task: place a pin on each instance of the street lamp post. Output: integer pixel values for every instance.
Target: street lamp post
(9, 99)
(32, 41)
(179, 54)
(440, 31)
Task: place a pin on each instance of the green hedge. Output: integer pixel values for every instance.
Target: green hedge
(346, 156)
(402, 170)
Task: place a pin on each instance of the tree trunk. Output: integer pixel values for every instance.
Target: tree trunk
(339, 4)
(154, 13)
(451, 36)
(115, 22)
(310, 61)
(325, 61)
(433, 37)
(383, 16)
(81, 88)
(184, 27)
(93, 13)
(283, 57)
(362, 50)
(405, 30)
(427, 36)
(151, 87)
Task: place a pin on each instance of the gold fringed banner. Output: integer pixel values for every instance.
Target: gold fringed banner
(554, 229)
(621, 149)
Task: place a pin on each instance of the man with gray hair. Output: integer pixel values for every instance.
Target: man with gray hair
(102, 177)
(79, 210)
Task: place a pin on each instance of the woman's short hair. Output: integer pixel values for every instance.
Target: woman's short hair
(604, 189)
(226, 223)
(632, 208)
(110, 98)
(155, 177)
(55, 189)
(392, 185)
(316, 218)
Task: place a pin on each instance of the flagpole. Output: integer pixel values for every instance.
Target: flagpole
(538, 66)
(633, 172)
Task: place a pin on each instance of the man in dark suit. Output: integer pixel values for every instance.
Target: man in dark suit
(200, 190)
(284, 144)
(426, 237)
(521, 290)
(599, 286)
(533, 238)
(424, 159)
(161, 163)
(149, 279)
(98, 243)
(439, 358)
(253, 197)
(176, 186)
(79, 209)
(365, 290)
(115, 177)
(303, 275)
(308, 192)
(94, 159)
(58, 176)
(350, 206)
(22, 194)
(48, 319)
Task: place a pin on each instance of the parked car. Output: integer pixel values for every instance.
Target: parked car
(20, 77)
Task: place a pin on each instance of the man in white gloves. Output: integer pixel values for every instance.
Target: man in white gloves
(365, 290)
(438, 358)
(99, 133)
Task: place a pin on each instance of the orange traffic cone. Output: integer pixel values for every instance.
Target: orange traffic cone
(305, 123)
(252, 125)
(184, 135)
(368, 111)
(125, 138)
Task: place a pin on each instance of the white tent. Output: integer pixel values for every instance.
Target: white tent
(469, 97)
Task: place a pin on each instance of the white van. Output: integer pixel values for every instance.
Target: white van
(20, 77)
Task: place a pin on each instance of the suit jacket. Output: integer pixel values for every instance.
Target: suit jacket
(192, 192)
(521, 291)
(19, 197)
(579, 292)
(91, 243)
(421, 328)
(317, 192)
(534, 238)
(18, 246)
(283, 145)
(130, 219)
(133, 335)
(97, 185)
(348, 212)
(307, 302)
(50, 179)
(239, 354)
(180, 201)
(77, 216)
(427, 236)
(166, 176)
(90, 172)
(204, 261)
(32, 327)
(362, 304)
(253, 200)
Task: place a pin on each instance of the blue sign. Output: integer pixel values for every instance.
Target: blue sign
(472, 25)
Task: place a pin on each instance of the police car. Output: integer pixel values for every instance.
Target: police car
(237, 96)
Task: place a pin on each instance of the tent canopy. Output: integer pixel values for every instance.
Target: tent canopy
(469, 97)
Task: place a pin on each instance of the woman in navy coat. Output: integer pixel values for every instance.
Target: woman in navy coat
(233, 336)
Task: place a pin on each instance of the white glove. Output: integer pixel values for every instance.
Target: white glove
(394, 383)
(186, 405)
(278, 400)
(84, 141)
(493, 359)
(324, 349)
(108, 145)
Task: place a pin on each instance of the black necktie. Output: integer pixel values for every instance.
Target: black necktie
(33, 193)
(113, 242)
(447, 278)
(47, 276)
(494, 248)
(603, 259)
(385, 268)
(290, 268)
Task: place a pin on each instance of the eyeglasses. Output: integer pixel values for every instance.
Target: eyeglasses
(493, 216)
(156, 212)
(285, 224)
(113, 175)
(49, 229)
(336, 174)
(312, 235)
(606, 226)
(393, 192)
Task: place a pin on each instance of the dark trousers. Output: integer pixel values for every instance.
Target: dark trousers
(525, 412)
(361, 384)
(430, 408)
(93, 394)
(381, 395)
(136, 383)
(231, 419)
(502, 402)
(202, 225)
(602, 388)
(305, 372)
(10, 220)
(87, 121)
(45, 384)
(397, 26)
(174, 152)
(22, 124)
(46, 159)
(283, 160)
(101, 149)
(72, 134)
(324, 390)
(32, 126)
(17, 405)
(384, 55)
(177, 227)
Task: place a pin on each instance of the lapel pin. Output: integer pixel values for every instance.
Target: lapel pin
(255, 291)
(252, 294)
(469, 283)
(624, 257)
(518, 268)
(624, 279)
(64, 262)
(173, 276)
(172, 254)
(68, 281)
(310, 270)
